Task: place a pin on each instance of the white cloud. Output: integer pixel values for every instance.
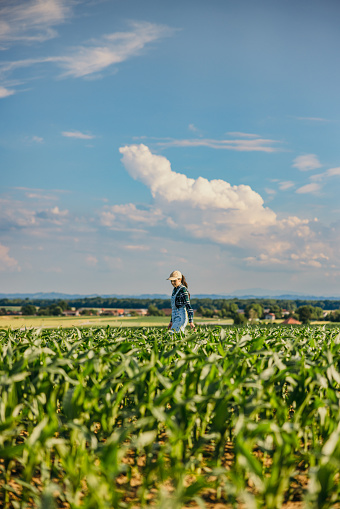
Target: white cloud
(155, 171)
(332, 172)
(116, 216)
(243, 135)
(37, 139)
(193, 128)
(307, 258)
(32, 20)
(264, 259)
(270, 191)
(215, 211)
(306, 162)
(309, 188)
(204, 209)
(35, 189)
(16, 214)
(286, 185)
(78, 135)
(137, 248)
(98, 55)
(5, 92)
(313, 119)
(39, 196)
(317, 179)
(111, 49)
(6, 261)
(54, 216)
(241, 145)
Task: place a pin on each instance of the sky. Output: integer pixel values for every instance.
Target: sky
(142, 137)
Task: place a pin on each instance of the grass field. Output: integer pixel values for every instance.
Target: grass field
(19, 322)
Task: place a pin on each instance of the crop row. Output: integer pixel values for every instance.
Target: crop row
(113, 418)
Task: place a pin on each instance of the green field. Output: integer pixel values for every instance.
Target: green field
(18, 322)
(117, 418)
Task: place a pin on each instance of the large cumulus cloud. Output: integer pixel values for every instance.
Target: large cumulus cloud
(218, 212)
(155, 171)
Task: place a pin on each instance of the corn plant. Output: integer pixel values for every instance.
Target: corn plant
(100, 418)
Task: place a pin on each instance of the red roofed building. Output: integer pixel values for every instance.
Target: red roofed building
(291, 321)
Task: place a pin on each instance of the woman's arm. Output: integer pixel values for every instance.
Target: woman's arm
(188, 307)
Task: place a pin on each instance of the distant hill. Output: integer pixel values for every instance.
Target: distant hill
(73, 296)
(254, 293)
(42, 295)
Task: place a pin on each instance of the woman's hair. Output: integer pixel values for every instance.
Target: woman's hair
(183, 281)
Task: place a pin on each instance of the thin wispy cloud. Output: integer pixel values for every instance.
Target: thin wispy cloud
(98, 55)
(137, 248)
(332, 172)
(193, 128)
(78, 135)
(241, 145)
(37, 139)
(309, 188)
(32, 21)
(313, 119)
(111, 49)
(39, 190)
(243, 135)
(5, 92)
(306, 162)
(111, 215)
(283, 186)
(39, 196)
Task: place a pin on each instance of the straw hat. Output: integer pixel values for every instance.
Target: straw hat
(176, 274)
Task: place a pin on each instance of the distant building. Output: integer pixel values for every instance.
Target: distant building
(269, 316)
(71, 312)
(113, 312)
(291, 321)
(109, 312)
(140, 312)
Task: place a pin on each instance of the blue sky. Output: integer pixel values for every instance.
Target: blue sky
(142, 137)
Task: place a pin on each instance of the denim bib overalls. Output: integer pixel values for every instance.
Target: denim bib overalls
(179, 315)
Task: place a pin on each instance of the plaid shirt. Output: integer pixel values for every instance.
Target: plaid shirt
(182, 299)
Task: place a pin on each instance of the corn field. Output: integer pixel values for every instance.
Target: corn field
(118, 418)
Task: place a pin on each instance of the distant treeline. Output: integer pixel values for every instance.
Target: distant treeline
(135, 303)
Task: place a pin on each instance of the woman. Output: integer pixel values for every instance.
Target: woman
(180, 303)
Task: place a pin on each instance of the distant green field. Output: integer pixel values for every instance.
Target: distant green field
(19, 322)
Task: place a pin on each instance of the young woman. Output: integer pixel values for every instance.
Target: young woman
(180, 303)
